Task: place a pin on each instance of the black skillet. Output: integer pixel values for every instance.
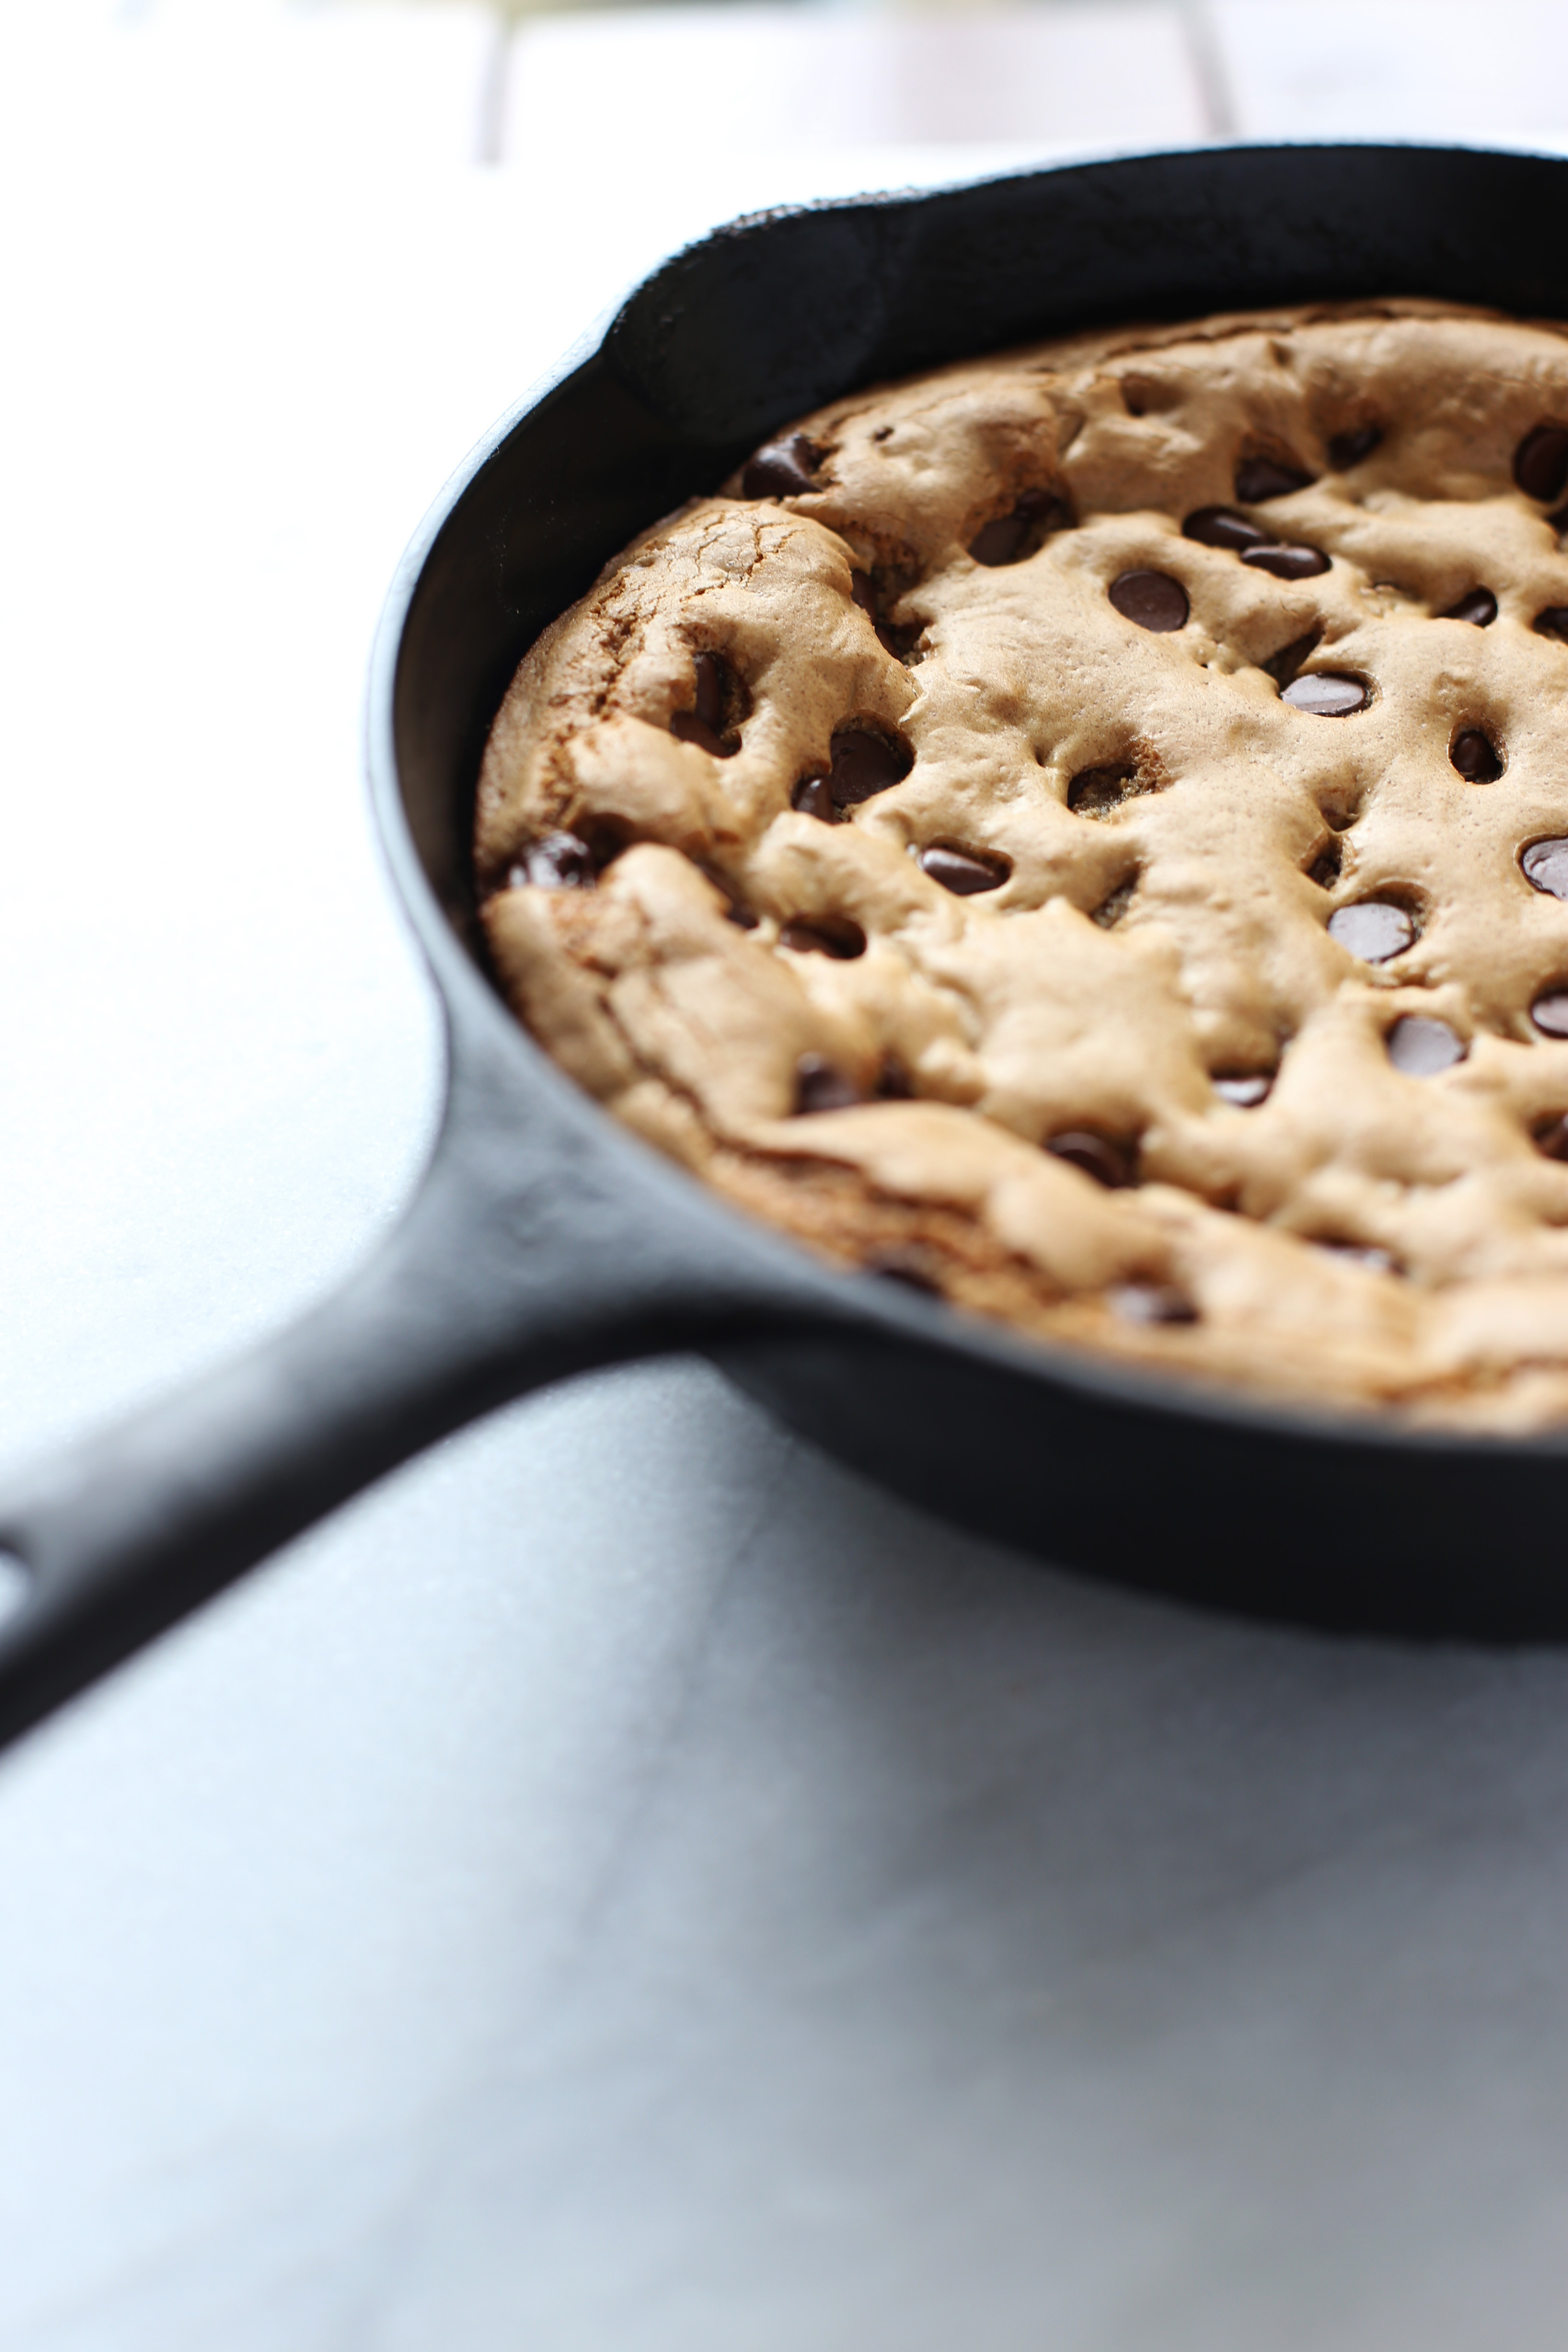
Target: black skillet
(545, 1241)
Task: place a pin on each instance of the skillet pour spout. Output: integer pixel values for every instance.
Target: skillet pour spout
(545, 1241)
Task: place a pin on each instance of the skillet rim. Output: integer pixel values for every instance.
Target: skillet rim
(475, 1015)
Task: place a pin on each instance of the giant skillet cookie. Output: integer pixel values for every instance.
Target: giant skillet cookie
(1087, 832)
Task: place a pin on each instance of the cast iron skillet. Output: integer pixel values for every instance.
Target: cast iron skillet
(544, 1239)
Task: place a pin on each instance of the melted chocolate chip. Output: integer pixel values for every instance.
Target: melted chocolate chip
(866, 763)
(1558, 521)
(782, 468)
(1010, 537)
(1551, 1136)
(1475, 757)
(1153, 599)
(1421, 1047)
(829, 935)
(1245, 1088)
(1478, 607)
(1283, 665)
(559, 861)
(719, 704)
(1545, 864)
(1260, 479)
(1549, 1012)
(911, 1266)
(962, 872)
(1109, 1163)
(1288, 562)
(820, 1087)
(814, 797)
(874, 595)
(1097, 792)
(1151, 1302)
(1223, 526)
(1348, 450)
(1553, 622)
(1541, 462)
(1373, 930)
(1326, 694)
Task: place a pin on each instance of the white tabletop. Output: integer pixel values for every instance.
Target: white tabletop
(625, 1883)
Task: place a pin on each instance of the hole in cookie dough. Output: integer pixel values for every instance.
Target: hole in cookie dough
(1541, 462)
(1009, 538)
(1421, 1047)
(1327, 694)
(1223, 526)
(906, 1263)
(893, 1082)
(1550, 1011)
(1151, 599)
(1110, 1164)
(1550, 1135)
(1478, 607)
(1099, 791)
(1325, 868)
(820, 1086)
(829, 935)
(719, 708)
(875, 592)
(1143, 395)
(1283, 665)
(1375, 929)
(867, 759)
(1553, 622)
(1287, 560)
(1262, 475)
(965, 872)
(558, 862)
(1545, 864)
(883, 433)
(1245, 1089)
(1151, 1302)
(1366, 1254)
(1110, 911)
(782, 468)
(1476, 757)
(1349, 448)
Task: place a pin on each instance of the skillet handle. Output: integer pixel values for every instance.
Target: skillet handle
(523, 1258)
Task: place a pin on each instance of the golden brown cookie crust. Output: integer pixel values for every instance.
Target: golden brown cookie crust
(1156, 840)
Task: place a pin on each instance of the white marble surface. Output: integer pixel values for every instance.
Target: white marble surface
(624, 1883)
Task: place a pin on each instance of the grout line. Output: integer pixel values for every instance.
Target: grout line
(1205, 52)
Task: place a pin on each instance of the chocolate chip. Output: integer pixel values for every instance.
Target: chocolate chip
(719, 704)
(1545, 864)
(814, 797)
(1549, 1012)
(874, 595)
(911, 1266)
(1283, 665)
(866, 762)
(1551, 1136)
(1288, 562)
(1553, 622)
(1010, 537)
(1326, 694)
(1373, 930)
(1223, 526)
(962, 872)
(893, 1082)
(1475, 757)
(1541, 462)
(1097, 792)
(1348, 450)
(1153, 599)
(864, 593)
(1109, 1163)
(1478, 607)
(1151, 1302)
(782, 468)
(1112, 909)
(1558, 521)
(559, 861)
(829, 935)
(1259, 478)
(818, 1085)
(1246, 1088)
(1421, 1047)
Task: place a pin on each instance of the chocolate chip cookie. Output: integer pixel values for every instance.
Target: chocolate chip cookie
(1086, 833)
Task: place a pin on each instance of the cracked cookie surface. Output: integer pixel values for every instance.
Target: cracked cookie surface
(1086, 832)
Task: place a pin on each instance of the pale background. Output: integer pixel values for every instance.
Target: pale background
(626, 1883)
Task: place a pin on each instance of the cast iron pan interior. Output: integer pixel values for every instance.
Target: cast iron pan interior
(544, 1239)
